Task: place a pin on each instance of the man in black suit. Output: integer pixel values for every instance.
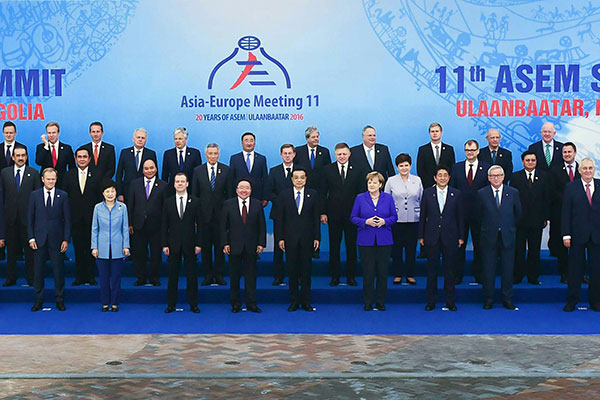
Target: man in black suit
(211, 186)
(243, 235)
(433, 155)
(312, 156)
(499, 207)
(280, 179)
(181, 158)
(581, 231)
(341, 182)
(103, 154)
(18, 181)
(560, 176)
(9, 130)
(54, 154)
(532, 185)
(144, 207)
(180, 218)
(469, 176)
(547, 150)
(493, 154)
(49, 232)
(299, 234)
(252, 166)
(371, 156)
(83, 187)
(131, 160)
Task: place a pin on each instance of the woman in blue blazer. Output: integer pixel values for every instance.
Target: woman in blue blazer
(110, 243)
(374, 213)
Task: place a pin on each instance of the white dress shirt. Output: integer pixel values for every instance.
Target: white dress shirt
(178, 201)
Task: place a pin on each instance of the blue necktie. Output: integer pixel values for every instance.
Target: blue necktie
(298, 201)
(137, 160)
(180, 160)
(181, 207)
(18, 179)
(493, 156)
(213, 178)
(8, 154)
(497, 198)
(312, 158)
(370, 157)
(49, 201)
(248, 162)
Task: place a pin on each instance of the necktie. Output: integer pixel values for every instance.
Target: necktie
(180, 207)
(49, 200)
(441, 200)
(248, 165)
(82, 180)
(343, 174)
(53, 156)
(213, 178)
(96, 154)
(298, 201)
(18, 179)
(312, 158)
(530, 179)
(137, 160)
(180, 160)
(470, 175)
(494, 152)
(288, 173)
(588, 193)
(370, 154)
(548, 159)
(498, 198)
(244, 212)
(148, 188)
(571, 177)
(8, 154)
(437, 153)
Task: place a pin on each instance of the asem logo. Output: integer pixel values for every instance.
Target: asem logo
(257, 71)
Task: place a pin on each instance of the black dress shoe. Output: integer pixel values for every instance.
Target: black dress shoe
(563, 278)
(93, 282)
(569, 307)
(307, 307)
(9, 283)
(334, 282)
(36, 307)
(114, 308)
(380, 307)
(169, 309)
(277, 282)
(207, 281)
(194, 309)
(533, 282)
(595, 307)
(61, 306)
(155, 283)
(76, 282)
(508, 305)
(139, 282)
(236, 308)
(451, 307)
(368, 307)
(254, 308)
(429, 307)
(220, 281)
(351, 282)
(104, 308)
(30, 283)
(488, 305)
(293, 307)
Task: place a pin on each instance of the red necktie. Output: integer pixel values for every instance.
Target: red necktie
(588, 193)
(244, 212)
(470, 175)
(571, 177)
(53, 156)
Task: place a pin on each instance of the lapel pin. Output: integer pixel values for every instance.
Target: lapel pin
(320, 153)
(350, 167)
(189, 200)
(377, 151)
(132, 150)
(308, 195)
(58, 195)
(443, 147)
(499, 155)
(506, 194)
(451, 194)
(28, 174)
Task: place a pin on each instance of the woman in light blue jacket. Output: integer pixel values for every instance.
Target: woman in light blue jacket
(110, 243)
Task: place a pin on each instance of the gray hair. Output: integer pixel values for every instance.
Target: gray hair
(181, 129)
(310, 130)
(495, 167)
(588, 159)
(141, 130)
(211, 146)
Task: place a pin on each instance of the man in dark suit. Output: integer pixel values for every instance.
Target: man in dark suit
(83, 187)
(54, 154)
(469, 176)
(211, 186)
(131, 160)
(144, 207)
(299, 234)
(9, 130)
(341, 182)
(243, 235)
(434, 154)
(581, 231)
(499, 207)
(547, 151)
(371, 156)
(441, 231)
(18, 181)
(493, 154)
(49, 232)
(532, 185)
(103, 154)
(181, 217)
(252, 166)
(560, 176)
(181, 158)
(280, 179)
(312, 156)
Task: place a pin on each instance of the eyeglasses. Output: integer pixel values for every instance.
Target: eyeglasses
(471, 149)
